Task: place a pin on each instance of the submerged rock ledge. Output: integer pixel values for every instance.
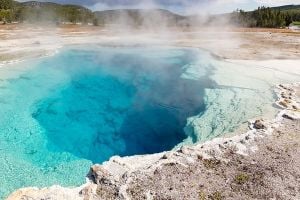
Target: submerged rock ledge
(259, 164)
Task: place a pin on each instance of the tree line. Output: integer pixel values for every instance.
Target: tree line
(12, 11)
(266, 17)
(32, 12)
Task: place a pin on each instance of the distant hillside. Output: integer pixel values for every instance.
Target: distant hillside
(48, 11)
(274, 17)
(288, 8)
(34, 11)
(37, 4)
(51, 5)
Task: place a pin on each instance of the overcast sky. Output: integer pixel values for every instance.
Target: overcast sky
(180, 6)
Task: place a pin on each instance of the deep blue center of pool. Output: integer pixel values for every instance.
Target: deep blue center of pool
(119, 102)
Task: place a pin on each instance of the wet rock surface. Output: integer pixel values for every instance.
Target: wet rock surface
(258, 124)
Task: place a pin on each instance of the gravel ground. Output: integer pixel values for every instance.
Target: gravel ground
(272, 172)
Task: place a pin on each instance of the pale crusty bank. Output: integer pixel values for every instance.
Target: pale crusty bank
(262, 163)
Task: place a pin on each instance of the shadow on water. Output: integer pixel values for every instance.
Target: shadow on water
(125, 107)
(158, 122)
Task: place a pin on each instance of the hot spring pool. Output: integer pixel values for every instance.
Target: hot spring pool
(60, 114)
(86, 104)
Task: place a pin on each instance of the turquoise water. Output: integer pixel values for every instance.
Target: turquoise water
(62, 113)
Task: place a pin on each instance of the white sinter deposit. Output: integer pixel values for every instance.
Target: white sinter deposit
(245, 90)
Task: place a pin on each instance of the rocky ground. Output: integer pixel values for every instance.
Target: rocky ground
(271, 172)
(260, 164)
